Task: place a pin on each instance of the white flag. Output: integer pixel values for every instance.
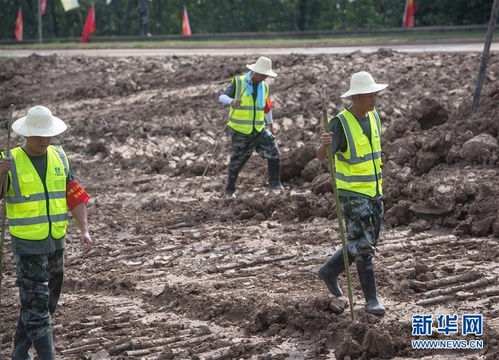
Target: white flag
(69, 4)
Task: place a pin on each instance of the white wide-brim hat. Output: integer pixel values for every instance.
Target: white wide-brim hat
(39, 122)
(262, 66)
(363, 83)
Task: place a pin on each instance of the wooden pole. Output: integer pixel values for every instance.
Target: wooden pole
(485, 56)
(211, 157)
(338, 207)
(5, 184)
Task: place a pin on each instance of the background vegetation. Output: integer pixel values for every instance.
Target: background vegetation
(120, 18)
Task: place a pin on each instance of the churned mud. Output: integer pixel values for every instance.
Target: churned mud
(180, 273)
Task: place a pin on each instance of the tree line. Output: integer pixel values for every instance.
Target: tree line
(120, 17)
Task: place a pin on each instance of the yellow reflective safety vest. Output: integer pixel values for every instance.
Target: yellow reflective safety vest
(249, 114)
(358, 169)
(36, 210)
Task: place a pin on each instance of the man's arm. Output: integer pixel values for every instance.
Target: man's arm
(77, 199)
(335, 139)
(228, 95)
(268, 115)
(5, 164)
(80, 215)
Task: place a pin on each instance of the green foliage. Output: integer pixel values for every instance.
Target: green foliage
(120, 17)
(455, 12)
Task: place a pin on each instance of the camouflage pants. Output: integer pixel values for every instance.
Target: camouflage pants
(242, 148)
(363, 219)
(39, 278)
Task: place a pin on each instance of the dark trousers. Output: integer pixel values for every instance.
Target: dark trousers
(243, 147)
(39, 278)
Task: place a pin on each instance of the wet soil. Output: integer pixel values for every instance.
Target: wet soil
(180, 273)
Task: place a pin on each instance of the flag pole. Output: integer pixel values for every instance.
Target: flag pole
(40, 21)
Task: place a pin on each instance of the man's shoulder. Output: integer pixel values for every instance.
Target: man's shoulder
(14, 150)
(335, 121)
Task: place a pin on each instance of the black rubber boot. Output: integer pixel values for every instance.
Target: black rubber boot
(230, 189)
(22, 343)
(330, 271)
(44, 347)
(368, 283)
(275, 174)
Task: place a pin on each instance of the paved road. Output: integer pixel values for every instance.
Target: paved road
(472, 47)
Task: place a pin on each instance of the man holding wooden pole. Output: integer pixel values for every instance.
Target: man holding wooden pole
(39, 190)
(354, 138)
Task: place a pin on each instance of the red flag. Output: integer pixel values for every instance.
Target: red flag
(89, 26)
(18, 30)
(186, 28)
(410, 10)
(43, 6)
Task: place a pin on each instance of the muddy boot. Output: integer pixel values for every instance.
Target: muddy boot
(44, 347)
(368, 283)
(275, 174)
(21, 343)
(330, 271)
(230, 189)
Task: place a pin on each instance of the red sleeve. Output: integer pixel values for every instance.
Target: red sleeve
(268, 106)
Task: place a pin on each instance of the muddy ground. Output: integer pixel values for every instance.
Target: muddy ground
(180, 273)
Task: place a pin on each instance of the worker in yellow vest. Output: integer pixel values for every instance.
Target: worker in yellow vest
(251, 123)
(40, 189)
(355, 140)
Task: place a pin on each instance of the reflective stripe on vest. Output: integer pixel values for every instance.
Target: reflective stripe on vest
(36, 211)
(248, 115)
(358, 169)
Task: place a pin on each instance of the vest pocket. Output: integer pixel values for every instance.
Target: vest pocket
(363, 168)
(24, 232)
(25, 210)
(27, 185)
(60, 204)
(58, 183)
(59, 229)
(362, 141)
